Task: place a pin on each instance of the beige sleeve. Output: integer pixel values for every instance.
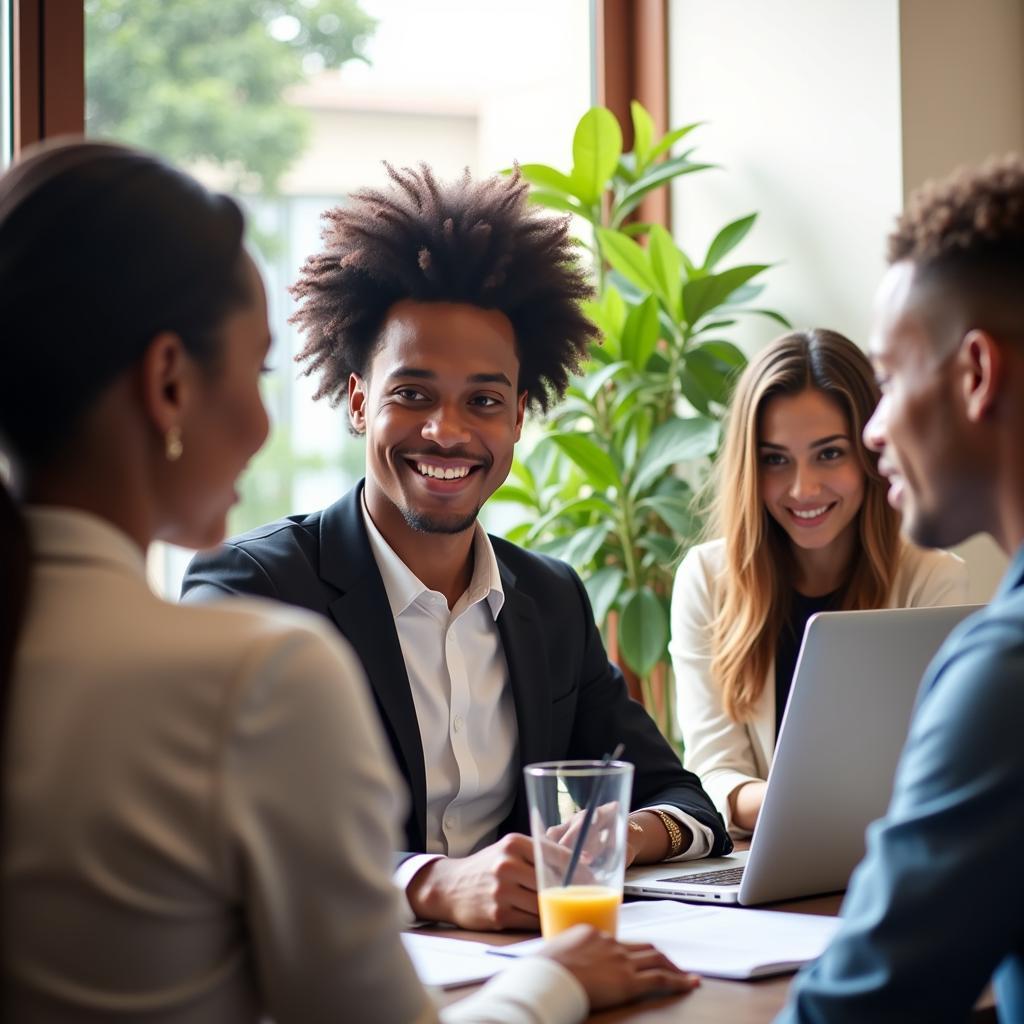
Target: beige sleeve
(938, 578)
(311, 805)
(714, 747)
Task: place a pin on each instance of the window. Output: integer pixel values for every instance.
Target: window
(6, 85)
(290, 107)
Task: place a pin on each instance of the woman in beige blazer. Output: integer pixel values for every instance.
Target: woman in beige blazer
(199, 808)
(802, 525)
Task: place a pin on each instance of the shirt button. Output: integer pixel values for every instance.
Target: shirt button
(458, 723)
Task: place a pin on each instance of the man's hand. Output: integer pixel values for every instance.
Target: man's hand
(614, 972)
(494, 889)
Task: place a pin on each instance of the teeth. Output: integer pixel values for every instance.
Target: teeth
(439, 473)
(812, 514)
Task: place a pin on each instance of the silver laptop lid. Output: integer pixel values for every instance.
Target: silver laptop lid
(846, 720)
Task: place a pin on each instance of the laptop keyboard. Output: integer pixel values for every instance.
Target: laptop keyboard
(724, 876)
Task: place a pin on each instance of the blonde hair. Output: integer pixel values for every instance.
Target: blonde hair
(755, 595)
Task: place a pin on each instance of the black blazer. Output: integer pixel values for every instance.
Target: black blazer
(570, 701)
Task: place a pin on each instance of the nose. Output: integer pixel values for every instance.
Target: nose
(444, 427)
(805, 483)
(874, 430)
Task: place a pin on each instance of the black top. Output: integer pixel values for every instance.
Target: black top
(790, 638)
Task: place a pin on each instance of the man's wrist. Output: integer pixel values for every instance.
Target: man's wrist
(425, 891)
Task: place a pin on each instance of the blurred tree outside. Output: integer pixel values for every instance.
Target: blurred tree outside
(203, 83)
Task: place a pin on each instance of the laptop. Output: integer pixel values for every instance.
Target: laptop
(845, 723)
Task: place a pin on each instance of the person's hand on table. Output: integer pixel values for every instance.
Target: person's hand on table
(493, 889)
(646, 844)
(613, 972)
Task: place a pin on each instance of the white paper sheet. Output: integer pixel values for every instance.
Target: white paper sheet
(449, 963)
(721, 942)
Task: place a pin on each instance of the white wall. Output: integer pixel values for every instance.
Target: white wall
(825, 115)
(802, 100)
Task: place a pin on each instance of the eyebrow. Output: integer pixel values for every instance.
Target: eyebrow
(820, 443)
(476, 378)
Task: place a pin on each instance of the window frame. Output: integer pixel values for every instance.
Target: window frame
(48, 65)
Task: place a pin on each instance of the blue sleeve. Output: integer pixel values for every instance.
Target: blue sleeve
(938, 901)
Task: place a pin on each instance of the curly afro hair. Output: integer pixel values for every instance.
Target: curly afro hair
(974, 216)
(473, 242)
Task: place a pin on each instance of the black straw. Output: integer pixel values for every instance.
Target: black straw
(588, 815)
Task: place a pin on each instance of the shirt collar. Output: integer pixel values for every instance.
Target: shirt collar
(404, 587)
(68, 534)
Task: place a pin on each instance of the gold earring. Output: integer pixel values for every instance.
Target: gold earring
(172, 444)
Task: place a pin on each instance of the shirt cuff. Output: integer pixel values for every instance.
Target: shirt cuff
(534, 990)
(703, 838)
(405, 873)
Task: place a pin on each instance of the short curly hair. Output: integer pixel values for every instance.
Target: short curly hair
(974, 216)
(475, 242)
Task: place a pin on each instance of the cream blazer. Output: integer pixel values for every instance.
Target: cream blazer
(726, 754)
(200, 813)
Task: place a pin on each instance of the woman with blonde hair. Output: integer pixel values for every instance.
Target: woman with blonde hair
(801, 524)
(199, 807)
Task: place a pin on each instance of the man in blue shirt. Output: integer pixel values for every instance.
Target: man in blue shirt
(936, 909)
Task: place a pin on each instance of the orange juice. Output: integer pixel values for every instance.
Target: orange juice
(562, 907)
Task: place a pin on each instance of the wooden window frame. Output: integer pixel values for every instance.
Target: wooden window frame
(48, 69)
(631, 40)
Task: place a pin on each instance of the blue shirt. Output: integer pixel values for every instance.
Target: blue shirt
(936, 908)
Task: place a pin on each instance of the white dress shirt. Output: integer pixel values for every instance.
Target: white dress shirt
(464, 706)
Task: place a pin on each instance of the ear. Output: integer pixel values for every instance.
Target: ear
(520, 414)
(982, 366)
(357, 397)
(166, 377)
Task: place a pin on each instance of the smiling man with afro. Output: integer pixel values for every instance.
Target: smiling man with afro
(438, 312)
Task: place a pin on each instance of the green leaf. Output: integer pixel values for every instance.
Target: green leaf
(518, 533)
(668, 140)
(643, 133)
(677, 440)
(675, 513)
(603, 588)
(656, 176)
(573, 509)
(640, 335)
(579, 548)
(667, 264)
(518, 495)
(727, 239)
(596, 148)
(549, 178)
(541, 461)
(628, 258)
(745, 293)
(724, 351)
(592, 459)
(557, 201)
(714, 378)
(665, 549)
(715, 325)
(522, 473)
(596, 379)
(707, 293)
(770, 313)
(694, 393)
(608, 312)
(636, 229)
(643, 631)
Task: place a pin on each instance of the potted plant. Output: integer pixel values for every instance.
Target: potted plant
(609, 486)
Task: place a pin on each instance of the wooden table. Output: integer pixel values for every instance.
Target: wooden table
(716, 1001)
